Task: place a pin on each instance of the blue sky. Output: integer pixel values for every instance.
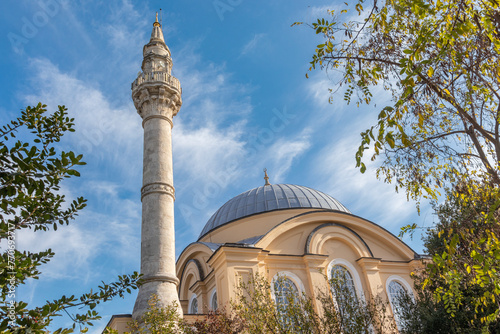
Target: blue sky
(247, 106)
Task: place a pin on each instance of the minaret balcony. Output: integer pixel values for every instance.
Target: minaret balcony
(157, 77)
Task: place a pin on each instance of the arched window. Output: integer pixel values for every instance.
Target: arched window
(285, 282)
(343, 283)
(346, 275)
(397, 290)
(193, 304)
(284, 288)
(213, 300)
(346, 290)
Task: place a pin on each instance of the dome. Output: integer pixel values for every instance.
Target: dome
(270, 198)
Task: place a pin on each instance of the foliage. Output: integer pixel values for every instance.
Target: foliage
(31, 175)
(425, 315)
(256, 305)
(219, 321)
(157, 319)
(336, 309)
(165, 320)
(440, 135)
(462, 226)
(255, 310)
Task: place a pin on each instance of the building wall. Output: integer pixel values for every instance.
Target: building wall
(302, 245)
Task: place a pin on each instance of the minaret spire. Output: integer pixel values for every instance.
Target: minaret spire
(157, 33)
(157, 98)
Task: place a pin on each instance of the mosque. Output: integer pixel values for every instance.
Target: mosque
(275, 230)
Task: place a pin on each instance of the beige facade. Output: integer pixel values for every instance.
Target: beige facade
(300, 244)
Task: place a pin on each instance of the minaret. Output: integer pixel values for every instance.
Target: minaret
(157, 98)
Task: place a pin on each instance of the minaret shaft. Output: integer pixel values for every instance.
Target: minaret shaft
(158, 244)
(157, 98)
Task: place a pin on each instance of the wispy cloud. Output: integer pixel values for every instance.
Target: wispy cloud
(199, 152)
(335, 168)
(252, 44)
(74, 247)
(103, 132)
(281, 155)
(110, 138)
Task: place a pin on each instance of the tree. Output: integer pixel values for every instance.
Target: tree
(219, 321)
(256, 310)
(31, 176)
(461, 227)
(440, 135)
(166, 320)
(338, 310)
(157, 320)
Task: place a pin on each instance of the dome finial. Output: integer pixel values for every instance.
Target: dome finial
(266, 178)
(156, 23)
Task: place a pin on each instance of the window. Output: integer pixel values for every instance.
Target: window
(397, 289)
(344, 280)
(286, 287)
(343, 290)
(193, 305)
(346, 290)
(283, 289)
(213, 300)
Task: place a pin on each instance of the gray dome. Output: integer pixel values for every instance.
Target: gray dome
(269, 198)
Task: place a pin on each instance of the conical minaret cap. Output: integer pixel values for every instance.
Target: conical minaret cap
(156, 44)
(157, 34)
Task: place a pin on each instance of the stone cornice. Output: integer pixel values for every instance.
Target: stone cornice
(147, 118)
(160, 278)
(158, 187)
(156, 97)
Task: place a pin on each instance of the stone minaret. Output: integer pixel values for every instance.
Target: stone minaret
(157, 98)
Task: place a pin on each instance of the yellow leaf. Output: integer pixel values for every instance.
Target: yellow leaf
(430, 72)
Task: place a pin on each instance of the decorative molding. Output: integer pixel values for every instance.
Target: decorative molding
(161, 278)
(307, 248)
(291, 276)
(158, 187)
(400, 280)
(147, 118)
(369, 263)
(156, 98)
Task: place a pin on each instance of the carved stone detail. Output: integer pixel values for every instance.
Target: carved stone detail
(158, 187)
(151, 102)
(161, 278)
(157, 93)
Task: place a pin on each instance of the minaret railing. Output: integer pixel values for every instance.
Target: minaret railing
(157, 76)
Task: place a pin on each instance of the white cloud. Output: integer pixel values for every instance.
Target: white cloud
(282, 154)
(111, 139)
(209, 94)
(73, 245)
(336, 171)
(252, 44)
(317, 89)
(201, 151)
(103, 132)
(205, 145)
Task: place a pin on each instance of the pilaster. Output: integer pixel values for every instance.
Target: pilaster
(370, 267)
